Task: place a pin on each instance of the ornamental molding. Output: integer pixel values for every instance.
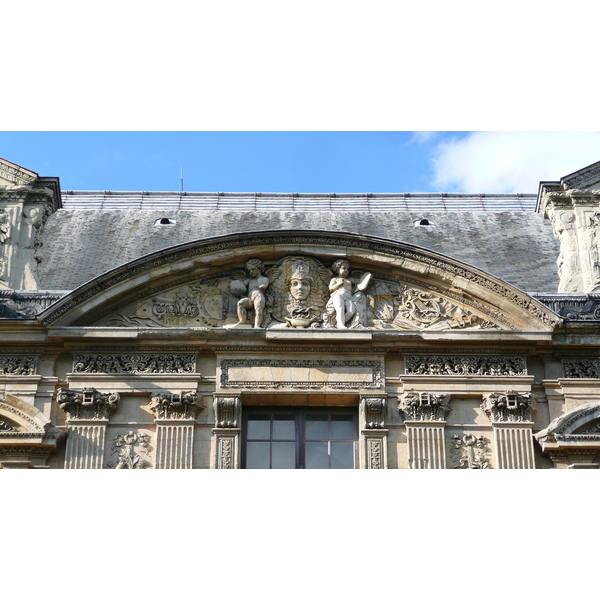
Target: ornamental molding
(227, 411)
(4, 427)
(470, 452)
(301, 349)
(182, 405)
(18, 364)
(424, 406)
(88, 403)
(449, 273)
(579, 425)
(134, 363)
(374, 409)
(15, 175)
(370, 376)
(131, 450)
(510, 406)
(494, 365)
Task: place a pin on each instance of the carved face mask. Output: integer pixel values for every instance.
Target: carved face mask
(300, 288)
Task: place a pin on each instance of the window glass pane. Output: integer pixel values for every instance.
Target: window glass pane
(259, 427)
(284, 427)
(317, 427)
(284, 455)
(342, 455)
(317, 455)
(342, 427)
(257, 455)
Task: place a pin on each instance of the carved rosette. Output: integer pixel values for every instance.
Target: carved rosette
(227, 412)
(470, 452)
(510, 406)
(183, 405)
(374, 411)
(424, 406)
(88, 403)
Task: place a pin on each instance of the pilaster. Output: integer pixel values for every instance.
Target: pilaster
(373, 435)
(226, 448)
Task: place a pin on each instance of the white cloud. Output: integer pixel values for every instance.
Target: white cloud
(510, 162)
(423, 137)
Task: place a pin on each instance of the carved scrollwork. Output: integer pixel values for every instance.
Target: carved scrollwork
(374, 411)
(424, 310)
(88, 403)
(581, 368)
(18, 365)
(134, 363)
(184, 405)
(131, 449)
(511, 366)
(509, 406)
(227, 411)
(4, 426)
(424, 406)
(470, 452)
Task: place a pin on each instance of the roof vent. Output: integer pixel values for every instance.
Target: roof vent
(164, 221)
(424, 223)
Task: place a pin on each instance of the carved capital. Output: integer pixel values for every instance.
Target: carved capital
(182, 405)
(227, 411)
(424, 406)
(508, 406)
(374, 411)
(88, 403)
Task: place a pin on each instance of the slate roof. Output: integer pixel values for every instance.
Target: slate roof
(499, 234)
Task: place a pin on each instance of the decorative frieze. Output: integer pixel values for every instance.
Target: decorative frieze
(182, 405)
(508, 406)
(134, 363)
(132, 450)
(483, 365)
(424, 406)
(312, 374)
(470, 452)
(227, 411)
(581, 368)
(18, 365)
(88, 403)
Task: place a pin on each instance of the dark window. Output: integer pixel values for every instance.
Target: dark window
(299, 439)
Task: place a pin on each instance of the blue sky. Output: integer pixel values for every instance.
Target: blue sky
(303, 161)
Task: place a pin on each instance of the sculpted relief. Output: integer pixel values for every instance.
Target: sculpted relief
(300, 292)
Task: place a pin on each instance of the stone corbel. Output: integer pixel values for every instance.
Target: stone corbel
(373, 433)
(227, 431)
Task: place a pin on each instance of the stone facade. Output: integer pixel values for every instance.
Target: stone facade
(298, 347)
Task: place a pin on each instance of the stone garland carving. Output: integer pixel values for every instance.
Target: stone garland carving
(506, 366)
(579, 368)
(509, 406)
(424, 406)
(374, 411)
(340, 240)
(227, 412)
(131, 449)
(88, 403)
(184, 405)
(470, 452)
(134, 363)
(18, 365)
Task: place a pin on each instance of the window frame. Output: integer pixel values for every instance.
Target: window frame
(299, 414)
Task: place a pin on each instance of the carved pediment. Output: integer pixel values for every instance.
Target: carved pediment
(332, 281)
(14, 175)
